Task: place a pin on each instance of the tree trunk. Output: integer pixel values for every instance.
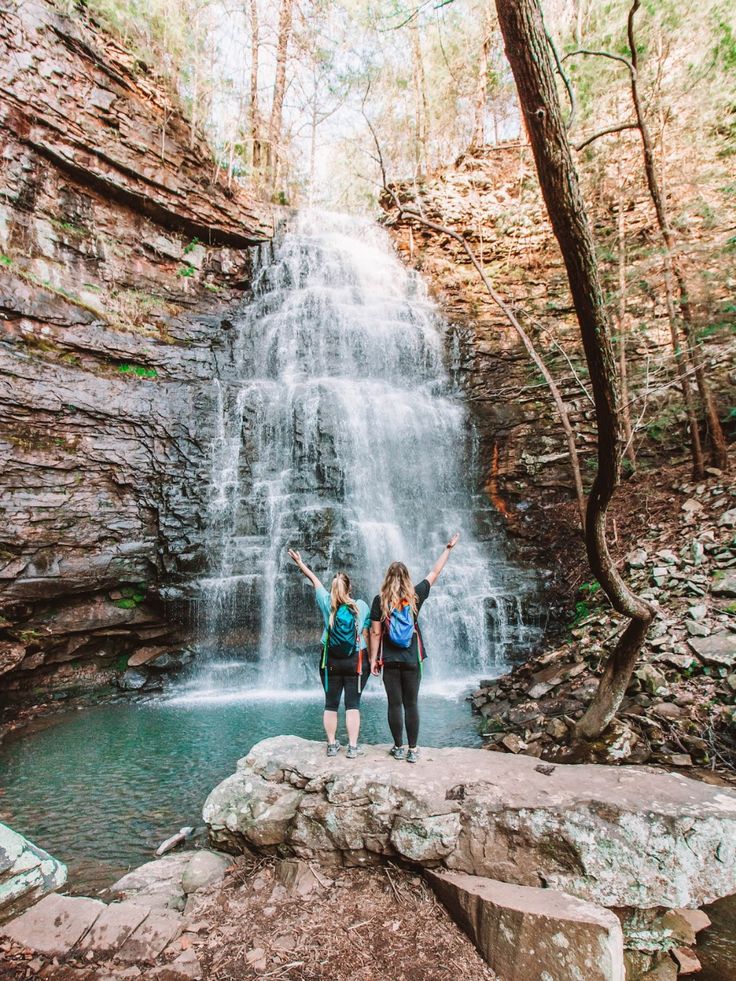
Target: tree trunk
(528, 54)
(254, 113)
(675, 272)
(279, 89)
(481, 91)
(622, 324)
(420, 99)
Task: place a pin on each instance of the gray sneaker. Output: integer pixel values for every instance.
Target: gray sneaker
(398, 752)
(412, 756)
(353, 752)
(333, 749)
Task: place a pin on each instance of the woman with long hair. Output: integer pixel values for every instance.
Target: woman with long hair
(343, 657)
(396, 646)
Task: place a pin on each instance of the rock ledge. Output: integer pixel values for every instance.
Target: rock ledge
(617, 837)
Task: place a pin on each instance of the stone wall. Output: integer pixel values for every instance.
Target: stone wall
(121, 250)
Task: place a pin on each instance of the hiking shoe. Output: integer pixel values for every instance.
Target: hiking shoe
(398, 752)
(353, 752)
(333, 749)
(412, 756)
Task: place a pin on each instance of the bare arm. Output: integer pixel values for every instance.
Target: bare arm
(439, 565)
(304, 568)
(374, 644)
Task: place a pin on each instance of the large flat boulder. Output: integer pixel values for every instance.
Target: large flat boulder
(26, 873)
(526, 933)
(614, 836)
(55, 924)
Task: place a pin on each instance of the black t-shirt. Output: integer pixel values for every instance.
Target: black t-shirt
(390, 651)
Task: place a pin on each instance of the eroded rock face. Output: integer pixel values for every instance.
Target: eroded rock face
(26, 873)
(118, 263)
(612, 836)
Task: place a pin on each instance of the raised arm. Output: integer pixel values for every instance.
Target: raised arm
(304, 568)
(439, 565)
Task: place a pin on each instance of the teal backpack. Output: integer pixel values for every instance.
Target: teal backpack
(342, 636)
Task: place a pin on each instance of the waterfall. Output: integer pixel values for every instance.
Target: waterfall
(338, 433)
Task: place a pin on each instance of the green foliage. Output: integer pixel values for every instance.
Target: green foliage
(130, 596)
(191, 246)
(139, 370)
(5, 260)
(186, 271)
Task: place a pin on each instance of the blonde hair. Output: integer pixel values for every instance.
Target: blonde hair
(340, 596)
(397, 589)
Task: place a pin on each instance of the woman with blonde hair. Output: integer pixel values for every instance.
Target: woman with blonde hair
(343, 661)
(396, 646)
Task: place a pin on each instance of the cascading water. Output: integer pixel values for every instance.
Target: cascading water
(338, 433)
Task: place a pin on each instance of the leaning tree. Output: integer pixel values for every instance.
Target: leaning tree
(529, 51)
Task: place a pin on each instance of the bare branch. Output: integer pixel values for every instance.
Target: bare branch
(605, 132)
(565, 79)
(602, 54)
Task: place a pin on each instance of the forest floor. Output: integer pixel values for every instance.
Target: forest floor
(263, 922)
(675, 543)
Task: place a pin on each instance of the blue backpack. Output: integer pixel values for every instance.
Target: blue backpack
(400, 626)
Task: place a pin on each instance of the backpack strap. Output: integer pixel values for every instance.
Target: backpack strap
(323, 665)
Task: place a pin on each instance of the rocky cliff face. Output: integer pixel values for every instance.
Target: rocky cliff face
(120, 248)
(492, 196)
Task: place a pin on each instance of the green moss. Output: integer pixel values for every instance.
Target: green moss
(139, 370)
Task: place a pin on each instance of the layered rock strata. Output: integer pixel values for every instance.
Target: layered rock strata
(121, 249)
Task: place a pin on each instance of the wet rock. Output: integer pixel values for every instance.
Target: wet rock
(512, 823)
(526, 933)
(133, 680)
(27, 873)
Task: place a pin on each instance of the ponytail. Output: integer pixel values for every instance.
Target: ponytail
(340, 596)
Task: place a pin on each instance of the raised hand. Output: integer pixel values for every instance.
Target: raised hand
(295, 557)
(454, 540)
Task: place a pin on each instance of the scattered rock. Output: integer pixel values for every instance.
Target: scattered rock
(725, 584)
(526, 933)
(718, 649)
(687, 960)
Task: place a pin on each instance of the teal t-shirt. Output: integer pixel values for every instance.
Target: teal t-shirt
(323, 602)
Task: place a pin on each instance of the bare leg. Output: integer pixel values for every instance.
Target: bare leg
(330, 723)
(352, 721)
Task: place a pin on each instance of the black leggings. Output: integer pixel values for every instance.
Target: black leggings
(401, 682)
(342, 677)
